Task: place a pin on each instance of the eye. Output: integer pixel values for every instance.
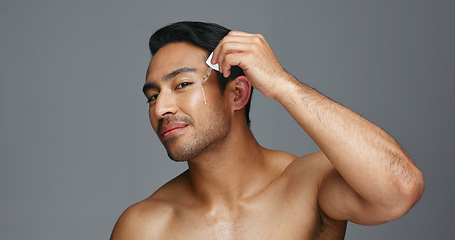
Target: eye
(182, 85)
(152, 98)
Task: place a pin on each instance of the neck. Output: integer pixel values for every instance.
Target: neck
(233, 170)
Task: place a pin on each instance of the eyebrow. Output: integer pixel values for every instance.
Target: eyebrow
(168, 77)
(148, 86)
(178, 71)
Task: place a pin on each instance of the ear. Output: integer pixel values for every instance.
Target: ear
(240, 92)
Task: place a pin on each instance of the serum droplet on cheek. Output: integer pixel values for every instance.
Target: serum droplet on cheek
(203, 93)
(204, 79)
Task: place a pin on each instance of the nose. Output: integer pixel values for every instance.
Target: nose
(165, 104)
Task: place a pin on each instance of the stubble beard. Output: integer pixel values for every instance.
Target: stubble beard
(204, 140)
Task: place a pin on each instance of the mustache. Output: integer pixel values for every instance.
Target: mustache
(164, 121)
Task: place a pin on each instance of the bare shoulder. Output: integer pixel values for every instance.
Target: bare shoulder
(148, 219)
(134, 223)
(313, 166)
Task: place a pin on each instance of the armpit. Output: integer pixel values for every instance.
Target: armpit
(330, 229)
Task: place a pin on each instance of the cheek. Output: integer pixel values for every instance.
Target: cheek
(153, 119)
(192, 99)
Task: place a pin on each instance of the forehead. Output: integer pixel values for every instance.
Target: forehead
(174, 56)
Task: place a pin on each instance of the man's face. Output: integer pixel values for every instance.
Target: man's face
(185, 124)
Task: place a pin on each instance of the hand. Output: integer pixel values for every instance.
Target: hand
(253, 54)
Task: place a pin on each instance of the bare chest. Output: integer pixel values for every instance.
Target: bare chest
(275, 220)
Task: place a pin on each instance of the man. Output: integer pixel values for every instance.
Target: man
(236, 189)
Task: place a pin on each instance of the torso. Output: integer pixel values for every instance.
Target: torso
(286, 209)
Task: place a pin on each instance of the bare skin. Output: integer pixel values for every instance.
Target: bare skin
(236, 189)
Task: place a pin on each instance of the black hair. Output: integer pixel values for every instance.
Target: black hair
(204, 35)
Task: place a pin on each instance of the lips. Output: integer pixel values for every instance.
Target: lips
(172, 128)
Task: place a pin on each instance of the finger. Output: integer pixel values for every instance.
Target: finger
(233, 48)
(248, 36)
(236, 37)
(226, 39)
(218, 53)
(240, 33)
(234, 59)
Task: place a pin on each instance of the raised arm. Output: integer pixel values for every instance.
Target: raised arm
(373, 179)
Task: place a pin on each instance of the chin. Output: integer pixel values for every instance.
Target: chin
(180, 152)
(179, 157)
(186, 150)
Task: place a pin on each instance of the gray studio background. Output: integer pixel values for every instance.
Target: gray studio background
(76, 147)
